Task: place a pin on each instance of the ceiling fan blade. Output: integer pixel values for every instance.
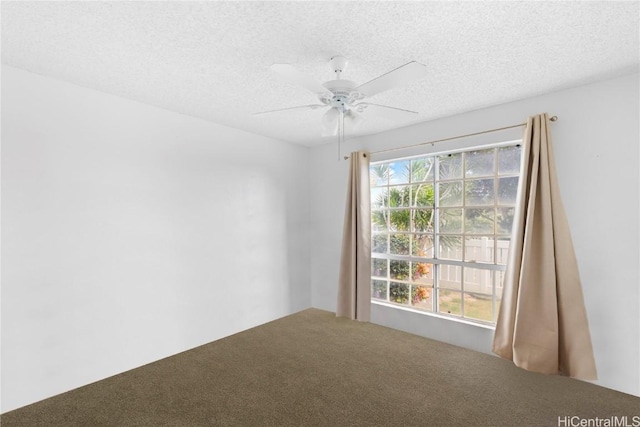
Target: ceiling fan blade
(294, 75)
(330, 122)
(398, 77)
(385, 110)
(301, 107)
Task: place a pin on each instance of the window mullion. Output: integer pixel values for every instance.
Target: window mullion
(436, 233)
(462, 227)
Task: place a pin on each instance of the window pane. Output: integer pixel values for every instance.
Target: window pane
(478, 306)
(504, 222)
(421, 297)
(499, 281)
(421, 272)
(479, 163)
(399, 244)
(478, 280)
(450, 247)
(422, 245)
(509, 160)
(379, 267)
(379, 198)
(478, 221)
(400, 220)
(502, 250)
(423, 220)
(422, 169)
(449, 277)
(478, 249)
(399, 196)
(399, 292)
(450, 166)
(399, 172)
(479, 192)
(379, 174)
(379, 289)
(399, 269)
(449, 302)
(422, 195)
(507, 190)
(450, 193)
(379, 244)
(379, 220)
(450, 220)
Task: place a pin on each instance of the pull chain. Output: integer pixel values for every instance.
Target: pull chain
(340, 133)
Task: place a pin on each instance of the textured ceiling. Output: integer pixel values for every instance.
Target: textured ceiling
(211, 59)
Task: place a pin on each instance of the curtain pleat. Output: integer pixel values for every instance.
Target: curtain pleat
(542, 324)
(354, 284)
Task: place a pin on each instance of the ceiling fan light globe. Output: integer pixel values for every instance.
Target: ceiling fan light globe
(330, 122)
(354, 119)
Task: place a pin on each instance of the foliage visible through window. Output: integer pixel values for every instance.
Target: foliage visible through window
(441, 226)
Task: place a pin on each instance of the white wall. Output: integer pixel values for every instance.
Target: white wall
(596, 145)
(131, 233)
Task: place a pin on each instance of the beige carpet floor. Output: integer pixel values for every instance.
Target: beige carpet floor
(313, 369)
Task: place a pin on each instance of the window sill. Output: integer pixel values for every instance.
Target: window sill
(436, 315)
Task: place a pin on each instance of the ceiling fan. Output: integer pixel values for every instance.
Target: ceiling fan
(344, 98)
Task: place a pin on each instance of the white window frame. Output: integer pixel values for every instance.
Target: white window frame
(438, 262)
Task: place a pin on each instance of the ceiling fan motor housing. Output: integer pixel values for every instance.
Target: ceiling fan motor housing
(341, 94)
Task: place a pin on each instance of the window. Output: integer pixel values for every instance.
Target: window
(441, 226)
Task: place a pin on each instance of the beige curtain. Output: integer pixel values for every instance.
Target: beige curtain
(542, 324)
(354, 284)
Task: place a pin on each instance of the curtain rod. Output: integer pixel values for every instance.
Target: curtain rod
(553, 119)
